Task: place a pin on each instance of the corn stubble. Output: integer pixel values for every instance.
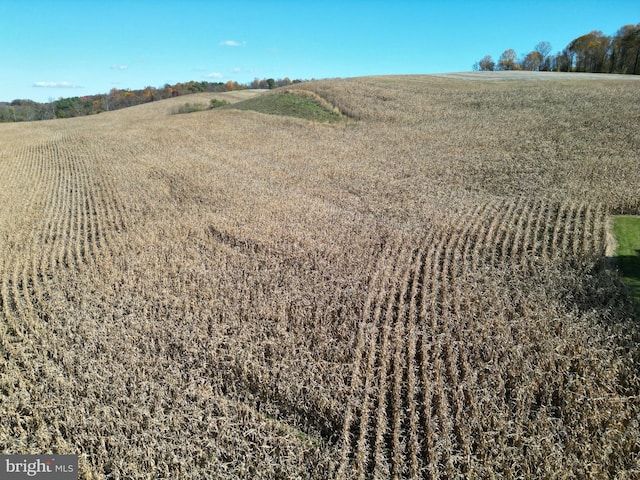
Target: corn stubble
(418, 292)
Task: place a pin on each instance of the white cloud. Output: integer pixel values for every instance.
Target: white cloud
(232, 43)
(119, 67)
(215, 75)
(235, 70)
(56, 85)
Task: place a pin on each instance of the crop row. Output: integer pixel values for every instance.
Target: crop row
(414, 405)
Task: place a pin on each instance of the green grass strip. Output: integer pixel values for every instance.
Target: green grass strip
(627, 232)
(288, 104)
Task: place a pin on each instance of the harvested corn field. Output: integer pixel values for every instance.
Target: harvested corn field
(418, 290)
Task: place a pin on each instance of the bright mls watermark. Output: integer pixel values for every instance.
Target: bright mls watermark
(49, 467)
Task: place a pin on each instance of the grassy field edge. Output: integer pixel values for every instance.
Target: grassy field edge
(626, 230)
(292, 103)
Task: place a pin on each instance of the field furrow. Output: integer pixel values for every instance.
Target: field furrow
(382, 431)
(401, 402)
(60, 241)
(555, 241)
(575, 231)
(496, 232)
(488, 226)
(536, 233)
(363, 346)
(419, 409)
(475, 237)
(518, 239)
(413, 430)
(375, 375)
(598, 232)
(509, 230)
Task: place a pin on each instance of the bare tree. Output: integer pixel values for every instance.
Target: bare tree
(544, 49)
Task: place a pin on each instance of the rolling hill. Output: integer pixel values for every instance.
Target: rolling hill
(418, 290)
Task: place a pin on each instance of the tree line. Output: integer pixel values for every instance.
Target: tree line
(594, 52)
(28, 110)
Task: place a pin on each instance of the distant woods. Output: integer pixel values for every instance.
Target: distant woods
(28, 110)
(594, 52)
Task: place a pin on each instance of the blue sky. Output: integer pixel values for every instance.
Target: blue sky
(63, 48)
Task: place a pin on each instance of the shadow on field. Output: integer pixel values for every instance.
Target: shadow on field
(629, 268)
